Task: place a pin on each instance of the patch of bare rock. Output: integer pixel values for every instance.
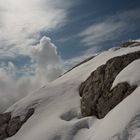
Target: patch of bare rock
(97, 97)
(9, 125)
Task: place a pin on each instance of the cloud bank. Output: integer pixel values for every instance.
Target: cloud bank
(46, 66)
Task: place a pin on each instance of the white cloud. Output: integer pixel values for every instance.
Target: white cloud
(45, 53)
(21, 21)
(101, 32)
(110, 28)
(46, 67)
(47, 59)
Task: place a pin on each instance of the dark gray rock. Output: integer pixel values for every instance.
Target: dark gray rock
(9, 126)
(130, 44)
(3, 132)
(13, 126)
(4, 118)
(112, 98)
(29, 113)
(97, 98)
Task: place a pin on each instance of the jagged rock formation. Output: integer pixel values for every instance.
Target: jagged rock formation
(97, 97)
(10, 125)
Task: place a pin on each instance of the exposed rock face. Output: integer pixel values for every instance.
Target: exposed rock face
(9, 126)
(4, 118)
(97, 97)
(13, 126)
(130, 44)
(3, 132)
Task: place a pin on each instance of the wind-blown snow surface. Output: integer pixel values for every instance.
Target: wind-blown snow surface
(57, 115)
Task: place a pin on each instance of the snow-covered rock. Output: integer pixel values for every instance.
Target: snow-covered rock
(97, 96)
(57, 107)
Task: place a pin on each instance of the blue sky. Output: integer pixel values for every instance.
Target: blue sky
(77, 28)
(92, 12)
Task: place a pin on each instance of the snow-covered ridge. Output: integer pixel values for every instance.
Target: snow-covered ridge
(97, 97)
(57, 106)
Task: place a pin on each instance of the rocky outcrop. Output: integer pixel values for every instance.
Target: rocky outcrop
(130, 44)
(4, 118)
(13, 126)
(10, 125)
(97, 97)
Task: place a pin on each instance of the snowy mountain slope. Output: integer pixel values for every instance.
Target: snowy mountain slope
(57, 107)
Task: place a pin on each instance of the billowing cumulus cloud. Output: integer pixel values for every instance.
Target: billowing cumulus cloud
(45, 53)
(47, 60)
(45, 67)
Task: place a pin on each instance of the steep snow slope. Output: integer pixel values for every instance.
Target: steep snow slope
(57, 114)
